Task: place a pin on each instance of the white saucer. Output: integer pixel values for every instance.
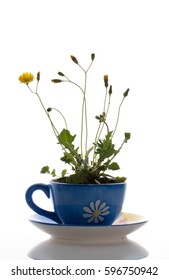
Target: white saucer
(124, 225)
(89, 242)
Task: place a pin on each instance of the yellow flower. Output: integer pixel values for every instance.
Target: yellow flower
(26, 78)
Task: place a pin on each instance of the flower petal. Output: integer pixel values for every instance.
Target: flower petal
(87, 215)
(104, 213)
(101, 218)
(104, 209)
(88, 210)
(92, 206)
(91, 219)
(96, 220)
(97, 203)
(102, 206)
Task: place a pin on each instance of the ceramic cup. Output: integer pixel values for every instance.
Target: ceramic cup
(80, 204)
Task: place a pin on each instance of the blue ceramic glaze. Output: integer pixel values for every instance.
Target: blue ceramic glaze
(80, 204)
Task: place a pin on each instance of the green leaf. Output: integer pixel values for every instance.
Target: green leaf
(127, 136)
(105, 148)
(65, 138)
(45, 169)
(80, 177)
(68, 158)
(114, 166)
(120, 179)
(53, 173)
(64, 172)
(89, 150)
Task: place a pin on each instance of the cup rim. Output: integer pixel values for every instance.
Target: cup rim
(90, 185)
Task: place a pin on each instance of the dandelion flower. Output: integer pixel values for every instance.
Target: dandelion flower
(26, 78)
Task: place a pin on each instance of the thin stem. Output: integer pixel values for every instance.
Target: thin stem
(89, 66)
(84, 108)
(84, 115)
(85, 112)
(62, 116)
(52, 124)
(73, 84)
(37, 86)
(108, 106)
(97, 133)
(81, 132)
(31, 89)
(107, 127)
(124, 141)
(81, 67)
(104, 109)
(118, 115)
(53, 127)
(100, 129)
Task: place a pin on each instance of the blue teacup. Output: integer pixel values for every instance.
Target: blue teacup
(80, 204)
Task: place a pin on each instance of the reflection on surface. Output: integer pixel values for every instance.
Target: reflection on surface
(54, 249)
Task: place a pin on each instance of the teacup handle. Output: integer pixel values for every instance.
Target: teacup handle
(46, 189)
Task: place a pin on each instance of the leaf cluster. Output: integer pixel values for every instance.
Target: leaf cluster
(85, 172)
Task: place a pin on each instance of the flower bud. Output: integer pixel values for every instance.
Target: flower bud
(38, 76)
(126, 92)
(49, 109)
(106, 80)
(92, 56)
(56, 81)
(61, 74)
(74, 59)
(110, 90)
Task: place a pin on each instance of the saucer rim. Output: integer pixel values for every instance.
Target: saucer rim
(143, 220)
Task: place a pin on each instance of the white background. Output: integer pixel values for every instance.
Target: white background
(130, 40)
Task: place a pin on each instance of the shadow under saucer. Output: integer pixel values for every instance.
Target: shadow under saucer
(68, 242)
(54, 249)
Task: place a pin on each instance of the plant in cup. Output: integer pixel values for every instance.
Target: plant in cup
(90, 194)
(89, 165)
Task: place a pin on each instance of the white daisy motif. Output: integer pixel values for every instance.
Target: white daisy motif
(96, 212)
